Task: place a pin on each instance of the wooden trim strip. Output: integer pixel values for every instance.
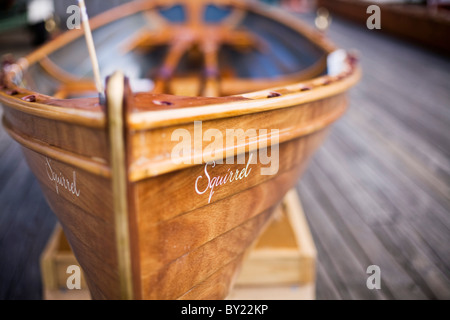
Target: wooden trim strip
(84, 163)
(115, 97)
(296, 215)
(94, 119)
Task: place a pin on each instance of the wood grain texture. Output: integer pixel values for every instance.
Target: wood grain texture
(87, 221)
(218, 285)
(261, 270)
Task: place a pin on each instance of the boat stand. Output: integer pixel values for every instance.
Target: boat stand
(281, 264)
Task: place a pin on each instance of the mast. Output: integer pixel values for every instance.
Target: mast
(91, 49)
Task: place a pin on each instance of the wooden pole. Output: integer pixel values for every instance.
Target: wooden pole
(91, 49)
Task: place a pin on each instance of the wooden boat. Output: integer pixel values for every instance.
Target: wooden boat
(144, 221)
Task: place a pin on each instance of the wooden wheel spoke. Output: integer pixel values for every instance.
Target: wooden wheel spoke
(156, 32)
(194, 12)
(145, 39)
(234, 19)
(211, 72)
(173, 57)
(194, 33)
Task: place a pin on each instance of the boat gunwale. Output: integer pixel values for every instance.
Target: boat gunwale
(137, 173)
(144, 171)
(156, 119)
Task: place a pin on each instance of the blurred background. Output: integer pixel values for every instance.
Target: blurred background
(376, 193)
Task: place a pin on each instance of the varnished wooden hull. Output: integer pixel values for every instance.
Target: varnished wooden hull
(178, 238)
(176, 233)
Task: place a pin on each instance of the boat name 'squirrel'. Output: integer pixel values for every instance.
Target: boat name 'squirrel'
(230, 176)
(61, 180)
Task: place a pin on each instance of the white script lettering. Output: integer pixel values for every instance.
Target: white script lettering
(230, 176)
(60, 180)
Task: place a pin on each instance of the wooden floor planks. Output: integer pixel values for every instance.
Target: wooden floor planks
(377, 192)
(382, 177)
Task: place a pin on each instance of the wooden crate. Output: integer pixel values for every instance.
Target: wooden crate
(281, 265)
(55, 259)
